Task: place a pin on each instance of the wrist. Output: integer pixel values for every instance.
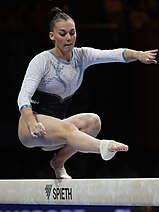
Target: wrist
(132, 55)
(30, 121)
(139, 55)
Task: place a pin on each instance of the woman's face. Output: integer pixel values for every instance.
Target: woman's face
(64, 35)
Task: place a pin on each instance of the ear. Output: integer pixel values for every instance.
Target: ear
(51, 36)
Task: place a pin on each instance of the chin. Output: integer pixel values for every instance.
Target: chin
(68, 48)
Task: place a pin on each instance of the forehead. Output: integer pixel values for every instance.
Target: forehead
(65, 25)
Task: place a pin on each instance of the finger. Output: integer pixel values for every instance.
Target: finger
(152, 62)
(150, 59)
(40, 124)
(42, 128)
(152, 56)
(153, 51)
(34, 135)
(42, 133)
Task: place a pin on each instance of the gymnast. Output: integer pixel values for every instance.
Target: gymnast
(51, 79)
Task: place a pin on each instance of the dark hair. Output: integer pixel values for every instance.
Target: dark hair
(57, 15)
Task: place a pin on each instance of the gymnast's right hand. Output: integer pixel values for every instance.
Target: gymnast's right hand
(37, 130)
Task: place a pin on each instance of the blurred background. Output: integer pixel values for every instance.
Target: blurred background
(125, 96)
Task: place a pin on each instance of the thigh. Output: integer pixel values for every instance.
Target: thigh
(55, 132)
(89, 123)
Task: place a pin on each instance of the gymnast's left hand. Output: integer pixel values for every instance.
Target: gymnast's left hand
(148, 57)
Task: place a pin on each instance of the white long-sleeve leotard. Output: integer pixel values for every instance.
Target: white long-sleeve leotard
(49, 74)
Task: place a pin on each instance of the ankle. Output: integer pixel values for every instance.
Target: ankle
(56, 165)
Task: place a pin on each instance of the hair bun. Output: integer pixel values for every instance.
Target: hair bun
(55, 11)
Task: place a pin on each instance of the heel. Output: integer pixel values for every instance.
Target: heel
(61, 174)
(105, 153)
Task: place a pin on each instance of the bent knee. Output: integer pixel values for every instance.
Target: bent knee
(92, 124)
(95, 121)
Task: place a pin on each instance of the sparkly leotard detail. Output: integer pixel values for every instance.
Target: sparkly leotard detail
(49, 74)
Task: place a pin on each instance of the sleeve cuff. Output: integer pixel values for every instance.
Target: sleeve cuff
(23, 106)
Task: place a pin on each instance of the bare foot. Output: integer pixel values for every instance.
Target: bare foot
(117, 146)
(108, 148)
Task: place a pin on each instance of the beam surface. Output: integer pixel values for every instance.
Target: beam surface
(122, 191)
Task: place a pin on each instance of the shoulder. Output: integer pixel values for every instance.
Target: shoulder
(84, 51)
(41, 57)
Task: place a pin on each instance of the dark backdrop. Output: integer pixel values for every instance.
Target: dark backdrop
(124, 95)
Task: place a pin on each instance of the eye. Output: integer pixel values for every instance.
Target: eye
(62, 34)
(72, 33)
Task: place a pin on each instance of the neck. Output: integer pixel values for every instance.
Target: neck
(66, 57)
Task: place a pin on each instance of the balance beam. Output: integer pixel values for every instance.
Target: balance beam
(122, 191)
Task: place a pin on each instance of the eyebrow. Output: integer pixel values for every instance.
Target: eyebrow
(63, 30)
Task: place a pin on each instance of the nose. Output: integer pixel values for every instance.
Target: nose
(68, 36)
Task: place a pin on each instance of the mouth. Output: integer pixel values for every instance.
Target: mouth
(68, 45)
